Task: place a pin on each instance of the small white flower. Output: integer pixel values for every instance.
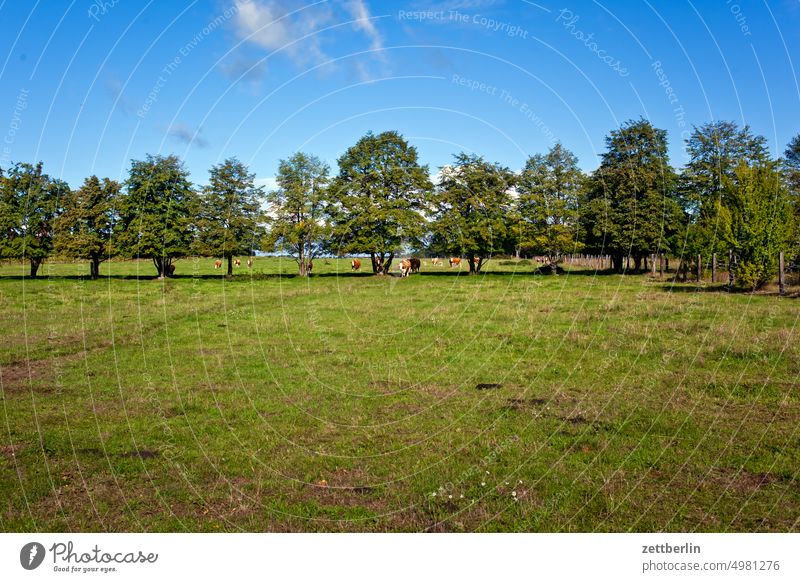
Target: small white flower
(520, 481)
(513, 494)
(433, 494)
(487, 472)
(461, 496)
(483, 483)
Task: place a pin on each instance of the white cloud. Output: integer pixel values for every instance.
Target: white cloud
(360, 13)
(272, 25)
(295, 31)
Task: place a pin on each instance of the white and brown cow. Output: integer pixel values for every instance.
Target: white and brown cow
(355, 265)
(405, 267)
(455, 262)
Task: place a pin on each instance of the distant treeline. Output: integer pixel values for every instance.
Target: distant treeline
(731, 199)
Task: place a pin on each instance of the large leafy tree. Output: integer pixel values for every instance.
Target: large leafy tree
(155, 212)
(761, 221)
(84, 229)
(791, 168)
(378, 199)
(229, 215)
(715, 150)
(30, 201)
(792, 164)
(549, 188)
(472, 206)
(298, 220)
(631, 208)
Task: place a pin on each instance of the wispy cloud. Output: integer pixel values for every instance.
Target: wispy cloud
(113, 89)
(271, 25)
(249, 71)
(296, 32)
(363, 22)
(186, 135)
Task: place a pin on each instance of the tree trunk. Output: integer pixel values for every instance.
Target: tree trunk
(94, 268)
(387, 263)
(35, 263)
(161, 266)
(471, 259)
(637, 263)
(230, 266)
(616, 262)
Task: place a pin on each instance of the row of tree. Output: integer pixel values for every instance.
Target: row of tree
(730, 197)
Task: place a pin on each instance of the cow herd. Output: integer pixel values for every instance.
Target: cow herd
(406, 266)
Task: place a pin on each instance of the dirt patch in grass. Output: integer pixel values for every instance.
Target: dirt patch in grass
(524, 403)
(346, 488)
(488, 386)
(10, 451)
(37, 375)
(740, 481)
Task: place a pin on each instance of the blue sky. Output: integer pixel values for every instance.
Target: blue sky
(85, 86)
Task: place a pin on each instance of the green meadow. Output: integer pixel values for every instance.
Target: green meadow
(507, 401)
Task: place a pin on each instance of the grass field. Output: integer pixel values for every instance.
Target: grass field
(352, 403)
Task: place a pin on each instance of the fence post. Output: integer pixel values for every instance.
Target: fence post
(699, 268)
(730, 268)
(781, 280)
(653, 265)
(661, 265)
(714, 268)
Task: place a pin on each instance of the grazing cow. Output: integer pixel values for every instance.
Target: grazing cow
(476, 260)
(377, 265)
(217, 264)
(455, 262)
(309, 266)
(237, 263)
(355, 265)
(415, 264)
(249, 262)
(171, 269)
(436, 262)
(405, 267)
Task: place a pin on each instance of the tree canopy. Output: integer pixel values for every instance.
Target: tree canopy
(30, 201)
(378, 198)
(298, 209)
(549, 188)
(228, 216)
(155, 212)
(472, 204)
(631, 208)
(85, 228)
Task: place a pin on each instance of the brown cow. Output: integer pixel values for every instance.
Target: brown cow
(249, 262)
(309, 266)
(217, 264)
(237, 263)
(405, 267)
(415, 264)
(171, 269)
(355, 265)
(377, 265)
(455, 262)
